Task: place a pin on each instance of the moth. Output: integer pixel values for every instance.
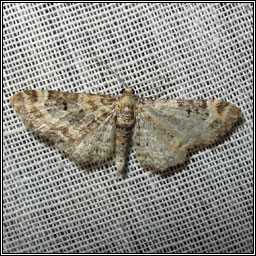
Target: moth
(91, 128)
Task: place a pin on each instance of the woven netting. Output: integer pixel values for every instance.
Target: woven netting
(162, 50)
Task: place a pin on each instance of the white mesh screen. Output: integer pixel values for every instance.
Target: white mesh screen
(167, 50)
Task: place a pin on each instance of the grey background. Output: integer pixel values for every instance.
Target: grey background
(203, 51)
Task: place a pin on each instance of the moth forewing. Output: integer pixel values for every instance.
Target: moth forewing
(91, 128)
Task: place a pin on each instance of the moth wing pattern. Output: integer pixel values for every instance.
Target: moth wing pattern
(81, 125)
(166, 130)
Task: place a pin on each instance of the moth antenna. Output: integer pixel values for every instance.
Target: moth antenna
(150, 97)
(104, 63)
(149, 81)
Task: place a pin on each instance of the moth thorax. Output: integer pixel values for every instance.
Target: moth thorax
(127, 113)
(126, 116)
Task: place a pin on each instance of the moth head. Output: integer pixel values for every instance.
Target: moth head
(127, 91)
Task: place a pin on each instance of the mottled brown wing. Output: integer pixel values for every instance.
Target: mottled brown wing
(82, 125)
(166, 130)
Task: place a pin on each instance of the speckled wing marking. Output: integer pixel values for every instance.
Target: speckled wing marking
(82, 125)
(166, 130)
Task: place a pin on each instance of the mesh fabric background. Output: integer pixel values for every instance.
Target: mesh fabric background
(203, 51)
